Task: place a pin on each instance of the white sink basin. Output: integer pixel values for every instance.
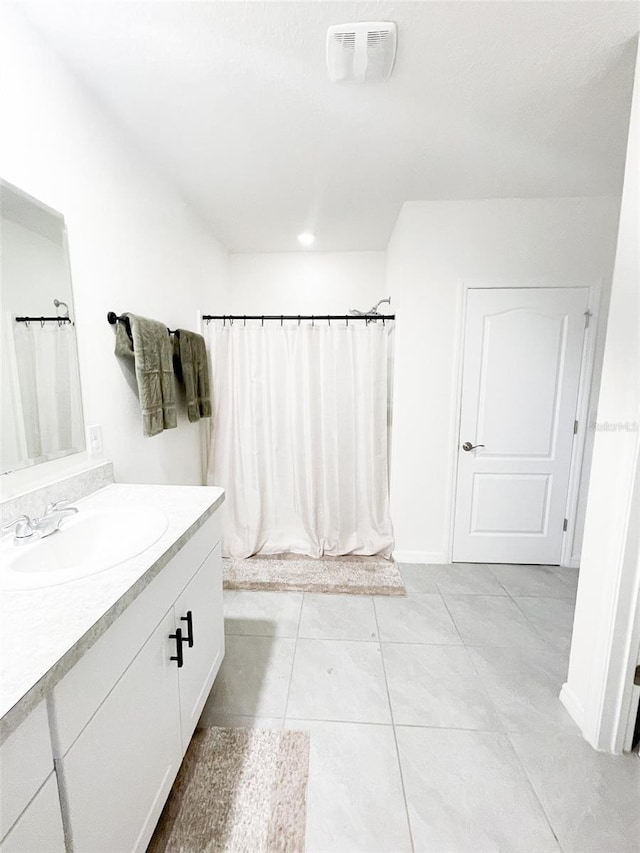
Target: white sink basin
(87, 543)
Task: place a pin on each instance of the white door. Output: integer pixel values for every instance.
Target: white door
(521, 371)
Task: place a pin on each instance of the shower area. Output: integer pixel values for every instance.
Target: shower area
(300, 432)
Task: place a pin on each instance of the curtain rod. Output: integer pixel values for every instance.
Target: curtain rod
(282, 317)
(43, 319)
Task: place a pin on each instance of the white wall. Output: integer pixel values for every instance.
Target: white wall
(436, 245)
(134, 244)
(306, 282)
(606, 631)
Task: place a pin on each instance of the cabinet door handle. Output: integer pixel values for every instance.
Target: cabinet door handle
(179, 641)
(189, 620)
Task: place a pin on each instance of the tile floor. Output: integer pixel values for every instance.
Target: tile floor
(435, 721)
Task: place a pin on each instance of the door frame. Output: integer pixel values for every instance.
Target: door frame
(607, 714)
(585, 404)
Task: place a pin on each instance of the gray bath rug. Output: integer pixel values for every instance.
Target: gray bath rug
(238, 791)
(291, 572)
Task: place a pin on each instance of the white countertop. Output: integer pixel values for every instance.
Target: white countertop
(43, 632)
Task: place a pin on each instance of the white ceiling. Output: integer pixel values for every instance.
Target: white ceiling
(233, 102)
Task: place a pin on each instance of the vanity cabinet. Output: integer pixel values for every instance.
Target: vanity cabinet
(30, 815)
(201, 660)
(123, 717)
(39, 827)
(119, 772)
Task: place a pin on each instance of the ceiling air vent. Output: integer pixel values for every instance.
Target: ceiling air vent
(361, 52)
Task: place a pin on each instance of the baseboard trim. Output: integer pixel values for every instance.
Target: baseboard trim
(420, 557)
(573, 705)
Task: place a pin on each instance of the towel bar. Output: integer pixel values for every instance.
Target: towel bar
(113, 318)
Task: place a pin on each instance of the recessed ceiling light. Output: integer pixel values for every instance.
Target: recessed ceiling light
(306, 238)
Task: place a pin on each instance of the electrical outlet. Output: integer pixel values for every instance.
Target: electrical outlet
(94, 440)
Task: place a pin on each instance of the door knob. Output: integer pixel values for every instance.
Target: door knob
(468, 446)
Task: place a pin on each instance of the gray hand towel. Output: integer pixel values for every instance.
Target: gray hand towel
(151, 351)
(190, 360)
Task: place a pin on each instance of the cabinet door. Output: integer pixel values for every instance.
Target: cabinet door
(25, 763)
(40, 825)
(117, 775)
(202, 598)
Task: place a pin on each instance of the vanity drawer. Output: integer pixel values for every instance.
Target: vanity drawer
(76, 698)
(40, 826)
(25, 762)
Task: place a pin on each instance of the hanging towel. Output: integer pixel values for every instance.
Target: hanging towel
(150, 348)
(190, 361)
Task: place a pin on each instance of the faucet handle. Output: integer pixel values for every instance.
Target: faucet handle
(24, 526)
(52, 507)
(15, 521)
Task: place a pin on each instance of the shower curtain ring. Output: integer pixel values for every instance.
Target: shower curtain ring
(298, 319)
(313, 320)
(245, 321)
(42, 322)
(281, 320)
(262, 321)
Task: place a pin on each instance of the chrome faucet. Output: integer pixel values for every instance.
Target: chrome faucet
(61, 507)
(32, 529)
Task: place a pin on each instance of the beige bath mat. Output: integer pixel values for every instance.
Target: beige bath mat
(238, 791)
(290, 572)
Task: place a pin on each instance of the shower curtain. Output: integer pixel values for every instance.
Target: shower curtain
(50, 407)
(300, 437)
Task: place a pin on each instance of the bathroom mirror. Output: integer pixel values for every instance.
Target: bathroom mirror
(41, 404)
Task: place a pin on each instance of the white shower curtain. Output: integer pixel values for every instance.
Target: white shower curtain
(51, 409)
(300, 437)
